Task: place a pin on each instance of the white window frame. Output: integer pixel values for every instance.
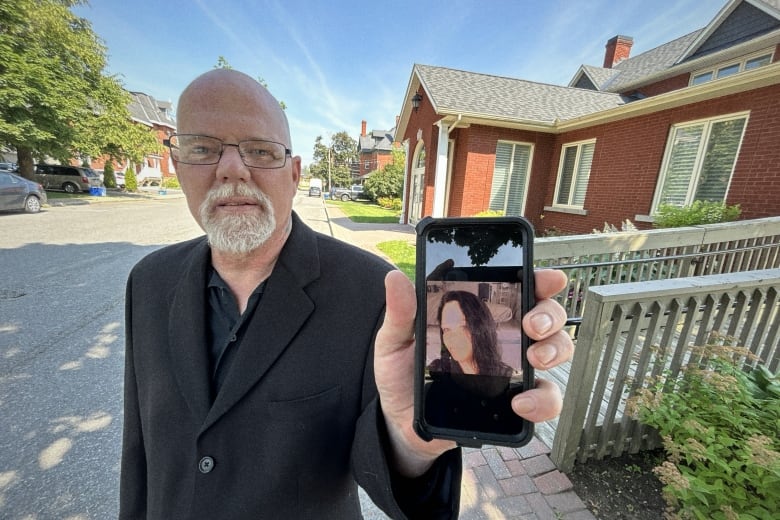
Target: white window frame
(700, 155)
(578, 145)
(713, 72)
(514, 145)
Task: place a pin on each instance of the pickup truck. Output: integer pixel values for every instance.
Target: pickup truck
(354, 192)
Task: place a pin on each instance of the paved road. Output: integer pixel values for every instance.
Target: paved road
(62, 275)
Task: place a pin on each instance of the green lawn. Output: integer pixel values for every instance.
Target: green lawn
(366, 212)
(63, 195)
(402, 254)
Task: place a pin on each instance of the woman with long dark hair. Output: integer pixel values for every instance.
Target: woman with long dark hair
(468, 337)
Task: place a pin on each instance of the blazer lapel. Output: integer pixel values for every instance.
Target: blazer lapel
(280, 314)
(187, 333)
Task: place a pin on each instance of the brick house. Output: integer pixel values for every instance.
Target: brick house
(157, 115)
(375, 150)
(695, 118)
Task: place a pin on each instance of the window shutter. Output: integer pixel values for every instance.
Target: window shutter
(509, 177)
(500, 176)
(567, 174)
(719, 161)
(583, 173)
(515, 202)
(679, 171)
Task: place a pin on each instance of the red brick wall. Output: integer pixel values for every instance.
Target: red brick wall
(422, 120)
(375, 160)
(628, 157)
(663, 86)
(475, 152)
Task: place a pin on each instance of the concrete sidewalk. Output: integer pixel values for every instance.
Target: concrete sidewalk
(498, 483)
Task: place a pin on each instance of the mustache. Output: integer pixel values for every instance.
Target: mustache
(226, 191)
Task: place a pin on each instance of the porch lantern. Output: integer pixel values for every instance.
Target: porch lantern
(416, 101)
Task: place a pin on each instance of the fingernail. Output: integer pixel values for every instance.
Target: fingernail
(545, 353)
(523, 405)
(542, 322)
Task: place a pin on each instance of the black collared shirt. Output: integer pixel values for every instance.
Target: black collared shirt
(226, 327)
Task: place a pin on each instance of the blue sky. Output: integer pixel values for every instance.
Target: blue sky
(336, 63)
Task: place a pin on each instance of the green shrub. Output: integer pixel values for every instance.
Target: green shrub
(171, 183)
(490, 213)
(392, 203)
(131, 181)
(721, 430)
(700, 212)
(109, 179)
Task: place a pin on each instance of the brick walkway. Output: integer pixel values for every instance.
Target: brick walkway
(498, 483)
(516, 483)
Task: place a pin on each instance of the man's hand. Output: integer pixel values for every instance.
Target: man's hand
(394, 367)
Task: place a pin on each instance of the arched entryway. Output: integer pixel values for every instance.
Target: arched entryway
(418, 183)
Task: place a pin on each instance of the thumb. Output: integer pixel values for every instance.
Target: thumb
(401, 306)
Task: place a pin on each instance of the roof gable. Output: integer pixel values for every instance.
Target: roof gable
(592, 78)
(737, 22)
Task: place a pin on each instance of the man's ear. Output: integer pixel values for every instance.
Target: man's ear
(296, 170)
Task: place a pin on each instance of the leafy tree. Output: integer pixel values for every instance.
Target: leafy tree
(334, 161)
(131, 181)
(222, 63)
(55, 99)
(109, 179)
(389, 181)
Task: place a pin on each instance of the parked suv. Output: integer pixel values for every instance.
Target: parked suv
(353, 193)
(71, 179)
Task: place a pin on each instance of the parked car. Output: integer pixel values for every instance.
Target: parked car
(8, 167)
(18, 193)
(71, 179)
(354, 192)
(120, 179)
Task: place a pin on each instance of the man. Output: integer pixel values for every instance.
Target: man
(259, 383)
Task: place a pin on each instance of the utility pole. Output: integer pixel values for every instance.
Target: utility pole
(330, 160)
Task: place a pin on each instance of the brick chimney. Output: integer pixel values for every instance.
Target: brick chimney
(363, 128)
(618, 49)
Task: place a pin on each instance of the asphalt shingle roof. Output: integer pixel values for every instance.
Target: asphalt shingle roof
(377, 140)
(457, 91)
(146, 109)
(648, 63)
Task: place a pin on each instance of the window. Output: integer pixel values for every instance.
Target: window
(510, 176)
(420, 159)
(758, 62)
(702, 78)
(729, 69)
(699, 160)
(573, 174)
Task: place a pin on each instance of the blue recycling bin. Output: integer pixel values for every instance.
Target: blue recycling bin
(98, 191)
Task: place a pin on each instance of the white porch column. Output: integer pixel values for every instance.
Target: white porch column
(440, 178)
(404, 194)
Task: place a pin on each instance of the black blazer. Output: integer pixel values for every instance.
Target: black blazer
(298, 415)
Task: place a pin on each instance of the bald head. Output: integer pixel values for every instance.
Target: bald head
(231, 94)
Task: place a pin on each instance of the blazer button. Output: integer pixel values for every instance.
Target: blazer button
(206, 464)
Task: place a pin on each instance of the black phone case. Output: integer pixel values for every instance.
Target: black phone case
(521, 430)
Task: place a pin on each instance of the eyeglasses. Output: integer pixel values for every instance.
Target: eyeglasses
(203, 150)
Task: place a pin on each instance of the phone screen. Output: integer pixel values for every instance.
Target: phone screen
(474, 280)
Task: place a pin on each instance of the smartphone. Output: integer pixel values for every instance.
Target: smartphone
(474, 283)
